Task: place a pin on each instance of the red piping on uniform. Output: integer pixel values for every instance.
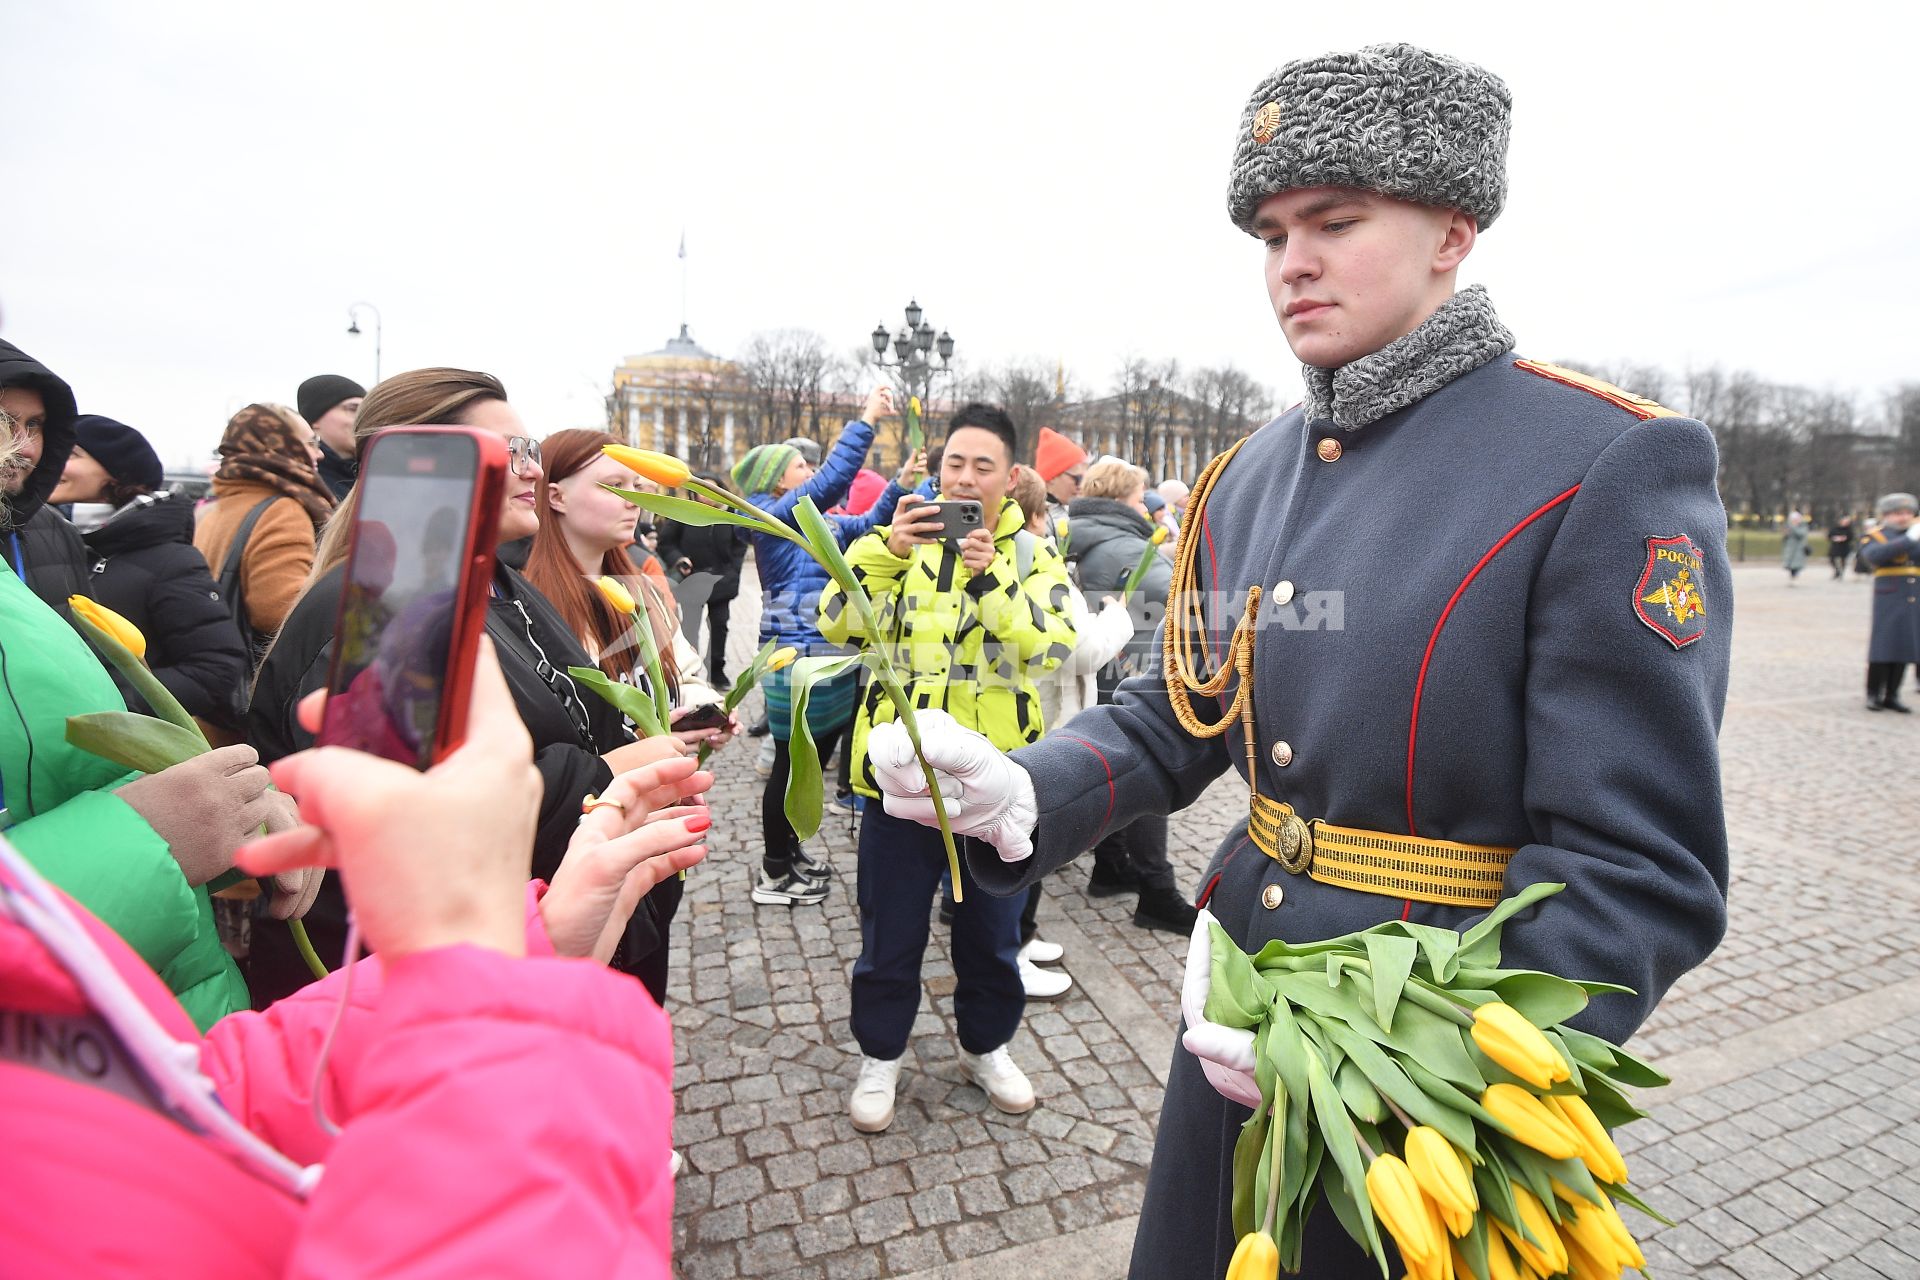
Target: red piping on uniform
(1406, 910)
(1413, 725)
(1109, 767)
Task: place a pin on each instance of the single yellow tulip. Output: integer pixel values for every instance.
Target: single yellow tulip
(1396, 1202)
(913, 403)
(1583, 1264)
(1500, 1263)
(1549, 1257)
(1256, 1257)
(111, 623)
(1442, 1173)
(782, 658)
(1527, 1119)
(1584, 1228)
(663, 469)
(1517, 1045)
(1628, 1246)
(1159, 535)
(1597, 1150)
(615, 594)
(1060, 527)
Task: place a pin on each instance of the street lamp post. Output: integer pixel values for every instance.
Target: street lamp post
(353, 326)
(914, 347)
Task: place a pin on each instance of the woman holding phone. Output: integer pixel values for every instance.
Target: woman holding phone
(579, 741)
(584, 534)
(775, 477)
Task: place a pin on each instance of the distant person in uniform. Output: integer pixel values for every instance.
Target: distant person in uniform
(1840, 545)
(1481, 601)
(1892, 552)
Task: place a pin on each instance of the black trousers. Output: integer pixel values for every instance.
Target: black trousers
(1883, 680)
(776, 832)
(1141, 845)
(717, 611)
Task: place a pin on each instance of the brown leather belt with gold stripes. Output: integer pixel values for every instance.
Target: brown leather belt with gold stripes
(1382, 862)
(1898, 570)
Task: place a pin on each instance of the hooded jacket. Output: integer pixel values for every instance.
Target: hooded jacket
(68, 822)
(502, 1117)
(40, 544)
(969, 644)
(1105, 545)
(142, 565)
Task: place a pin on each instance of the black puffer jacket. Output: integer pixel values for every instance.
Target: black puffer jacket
(143, 566)
(519, 618)
(716, 553)
(39, 542)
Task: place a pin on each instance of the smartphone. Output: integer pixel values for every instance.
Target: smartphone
(413, 601)
(957, 518)
(708, 715)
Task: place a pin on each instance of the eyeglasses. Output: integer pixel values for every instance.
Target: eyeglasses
(523, 455)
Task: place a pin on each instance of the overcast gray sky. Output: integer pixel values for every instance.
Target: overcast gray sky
(197, 191)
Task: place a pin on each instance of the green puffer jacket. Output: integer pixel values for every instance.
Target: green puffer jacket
(69, 824)
(967, 644)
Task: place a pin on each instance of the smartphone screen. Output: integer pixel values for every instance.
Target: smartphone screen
(425, 523)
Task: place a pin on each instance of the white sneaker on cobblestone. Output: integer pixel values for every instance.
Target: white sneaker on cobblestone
(763, 763)
(1006, 1085)
(872, 1103)
(1039, 952)
(1042, 984)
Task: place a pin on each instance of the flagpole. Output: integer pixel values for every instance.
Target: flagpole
(683, 280)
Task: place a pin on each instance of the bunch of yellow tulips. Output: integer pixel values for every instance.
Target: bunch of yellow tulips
(1422, 1089)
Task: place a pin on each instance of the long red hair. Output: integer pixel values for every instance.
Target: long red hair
(556, 575)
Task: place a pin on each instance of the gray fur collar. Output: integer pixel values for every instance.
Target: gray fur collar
(1459, 337)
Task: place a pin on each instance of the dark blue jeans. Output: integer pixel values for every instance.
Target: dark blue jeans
(900, 867)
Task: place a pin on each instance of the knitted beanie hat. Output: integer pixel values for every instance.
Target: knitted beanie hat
(762, 468)
(1391, 118)
(123, 452)
(317, 395)
(1056, 455)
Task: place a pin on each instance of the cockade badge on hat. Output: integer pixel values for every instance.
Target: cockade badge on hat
(1266, 122)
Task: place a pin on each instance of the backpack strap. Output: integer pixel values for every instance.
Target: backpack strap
(230, 568)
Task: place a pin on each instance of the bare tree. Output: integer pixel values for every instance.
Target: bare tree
(791, 376)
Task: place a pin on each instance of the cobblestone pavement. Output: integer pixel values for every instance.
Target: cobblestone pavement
(1789, 1145)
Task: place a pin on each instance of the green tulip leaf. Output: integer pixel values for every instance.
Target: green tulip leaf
(826, 546)
(689, 512)
(1541, 998)
(1337, 1131)
(1358, 1093)
(1530, 1169)
(158, 697)
(1609, 1102)
(1480, 945)
(1473, 1248)
(137, 742)
(1392, 960)
(631, 701)
(755, 672)
(1494, 1183)
(1623, 1196)
(806, 794)
(1237, 994)
(1385, 1073)
(1347, 1209)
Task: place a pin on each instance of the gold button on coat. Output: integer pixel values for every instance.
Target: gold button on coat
(1282, 755)
(1282, 591)
(1270, 896)
(1328, 449)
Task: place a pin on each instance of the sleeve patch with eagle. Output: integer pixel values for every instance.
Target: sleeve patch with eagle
(1668, 596)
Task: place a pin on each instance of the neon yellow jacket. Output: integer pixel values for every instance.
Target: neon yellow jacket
(966, 644)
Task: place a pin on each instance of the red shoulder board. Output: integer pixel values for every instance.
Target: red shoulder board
(1639, 406)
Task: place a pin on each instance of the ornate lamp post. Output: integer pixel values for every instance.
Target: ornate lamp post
(914, 347)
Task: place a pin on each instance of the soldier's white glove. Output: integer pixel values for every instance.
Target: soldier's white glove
(988, 796)
(1225, 1053)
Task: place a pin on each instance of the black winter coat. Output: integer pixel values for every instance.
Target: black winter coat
(41, 545)
(716, 553)
(522, 624)
(143, 566)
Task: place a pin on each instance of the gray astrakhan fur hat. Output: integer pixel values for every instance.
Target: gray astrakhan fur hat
(1896, 502)
(1391, 118)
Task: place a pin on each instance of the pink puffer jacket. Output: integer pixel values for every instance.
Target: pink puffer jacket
(500, 1117)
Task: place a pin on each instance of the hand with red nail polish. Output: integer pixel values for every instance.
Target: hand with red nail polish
(646, 827)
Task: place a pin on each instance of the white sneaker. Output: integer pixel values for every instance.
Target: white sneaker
(1038, 952)
(1042, 984)
(1006, 1085)
(675, 1165)
(763, 763)
(872, 1103)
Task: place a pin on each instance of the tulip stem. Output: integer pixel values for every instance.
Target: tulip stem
(304, 945)
(1276, 1138)
(1362, 1140)
(1405, 1120)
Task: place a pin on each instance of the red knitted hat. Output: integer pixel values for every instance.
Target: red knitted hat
(1056, 455)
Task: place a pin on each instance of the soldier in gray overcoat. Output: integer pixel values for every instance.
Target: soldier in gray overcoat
(1892, 552)
(1480, 599)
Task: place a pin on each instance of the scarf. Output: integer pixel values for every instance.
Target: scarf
(1459, 337)
(261, 447)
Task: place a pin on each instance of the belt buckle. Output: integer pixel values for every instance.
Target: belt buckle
(1296, 844)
